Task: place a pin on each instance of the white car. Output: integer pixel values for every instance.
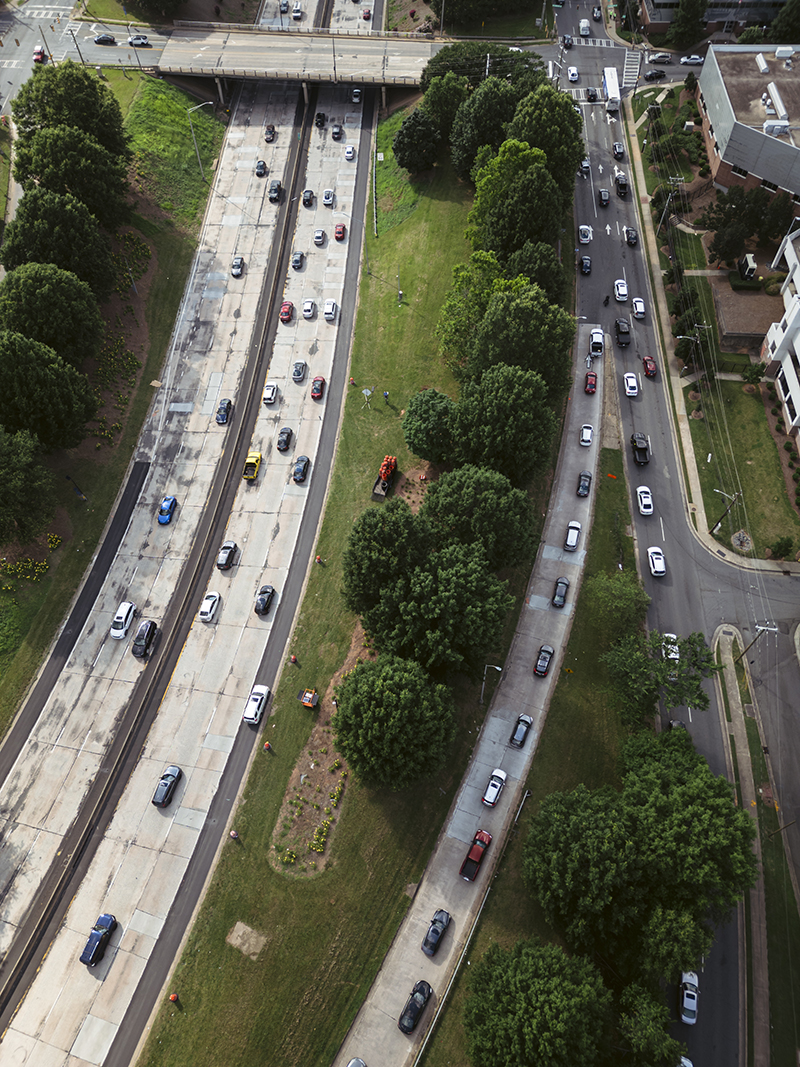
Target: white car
(658, 565)
(319, 237)
(573, 537)
(491, 793)
(309, 307)
(631, 385)
(572, 73)
(208, 608)
(597, 342)
(126, 613)
(687, 993)
(327, 198)
(256, 702)
(329, 313)
(349, 152)
(672, 652)
(692, 61)
(270, 393)
(638, 307)
(584, 234)
(586, 434)
(620, 290)
(644, 498)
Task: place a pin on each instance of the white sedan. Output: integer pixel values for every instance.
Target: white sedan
(644, 498)
(572, 73)
(584, 234)
(349, 152)
(631, 385)
(208, 608)
(658, 565)
(309, 307)
(638, 307)
(620, 290)
(587, 432)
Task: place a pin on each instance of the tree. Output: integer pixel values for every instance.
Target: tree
(777, 218)
(427, 426)
(534, 1006)
(27, 488)
(727, 244)
(48, 228)
(54, 307)
(546, 119)
(642, 670)
(752, 35)
(469, 59)
(785, 27)
(393, 724)
(504, 422)
(64, 160)
(162, 8)
(643, 1025)
(70, 94)
(618, 602)
(541, 266)
(481, 120)
(781, 548)
(686, 26)
(464, 505)
(442, 100)
(466, 304)
(416, 143)
(384, 544)
(753, 373)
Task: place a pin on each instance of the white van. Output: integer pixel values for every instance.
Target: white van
(297, 11)
(585, 29)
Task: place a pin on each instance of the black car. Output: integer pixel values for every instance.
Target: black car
(224, 411)
(261, 169)
(560, 592)
(586, 264)
(336, 132)
(655, 75)
(584, 483)
(542, 665)
(319, 119)
(284, 439)
(604, 197)
(618, 148)
(641, 449)
(297, 260)
(300, 469)
(621, 182)
(622, 328)
(105, 38)
(415, 1005)
(275, 191)
(631, 236)
(566, 40)
(167, 784)
(308, 198)
(520, 731)
(591, 95)
(145, 636)
(98, 940)
(264, 599)
(227, 554)
(597, 14)
(269, 133)
(433, 938)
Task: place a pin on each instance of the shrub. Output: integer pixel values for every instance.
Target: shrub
(796, 477)
(788, 447)
(781, 548)
(773, 411)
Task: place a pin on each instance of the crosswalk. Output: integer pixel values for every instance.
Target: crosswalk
(630, 72)
(597, 42)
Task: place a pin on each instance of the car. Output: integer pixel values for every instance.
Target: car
(433, 938)
(270, 393)
(560, 592)
(366, 14)
(572, 73)
(299, 371)
(649, 365)
(644, 500)
(269, 132)
(227, 555)
(590, 382)
(317, 387)
(297, 11)
(671, 652)
(254, 707)
(687, 992)
(123, 620)
(319, 119)
(98, 940)
(656, 561)
(284, 7)
(421, 993)
(106, 38)
(620, 290)
(287, 311)
(349, 152)
(622, 328)
(308, 198)
(591, 95)
(655, 75)
(167, 784)
(566, 40)
(621, 185)
(660, 57)
(586, 168)
(265, 597)
(319, 237)
(520, 731)
(631, 385)
(145, 636)
(297, 260)
(603, 197)
(542, 664)
(618, 150)
(138, 40)
(638, 307)
(237, 266)
(261, 169)
(224, 411)
(357, 94)
(584, 234)
(597, 14)
(208, 608)
(630, 235)
(641, 448)
(167, 510)
(336, 132)
(39, 54)
(494, 787)
(587, 432)
(692, 61)
(677, 724)
(301, 465)
(309, 309)
(285, 435)
(327, 198)
(339, 231)
(584, 483)
(572, 540)
(357, 1062)
(329, 311)
(597, 342)
(586, 264)
(275, 191)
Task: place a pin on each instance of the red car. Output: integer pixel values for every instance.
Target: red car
(366, 14)
(38, 54)
(591, 382)
(317, 388)
(649, 366)
(287, 311)
(339, 231)
(474, 858)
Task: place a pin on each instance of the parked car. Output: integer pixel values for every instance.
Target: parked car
(269, 132)
(285, 435)
(336, 132)
(145, 636)
(319, 237)
(644, 500)
(520, 731)
(692, 61)
(300, 472)
(297, 260)
(237, 266)
(275, 191)
(494, 787)
(167, 510)
(433, 938)
(584, 483)
(227, 555)
(622, 328)
(329, 311)
(660, 57)
(317, 388)
(298, 371)
(319, 119)
(560, 592)
(620, 290)
(349, 152)
(572, 540)
(224, 411)
(656, 561)
(308, 198)
(287, 311)
(98, 940)
(309, 309)
(107, 38)
(415, 1005)
(270, 393)
(649, 365)
(586, 264)
(256, 702)
(590, 383)
(261, 169)
(167, 784)
(339, 231)
(123, 620)
(587, 433)
(542, 664)
(208, 608)
(327, 198)
(631, 385)
(366, 14)
(687, 992)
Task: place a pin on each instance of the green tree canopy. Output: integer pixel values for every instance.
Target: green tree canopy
(442, 100)
(48, 228)
(427, 425)
(393, 724)
(785, 28)
(643, 672)
(464, 506)
(687, 23)
(481, 120)
(541, 266)
(468, 59)
(54, 307)
(728, 243)
(64, 160)
(466, 303)
(617, 601)
(547, 119)
(70, 94)
(27, 488)
(416, 143)
(643, 1025)
(534, 1006)
(51, 399)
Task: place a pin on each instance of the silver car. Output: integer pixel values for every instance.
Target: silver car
(572, 540)
(494, 788)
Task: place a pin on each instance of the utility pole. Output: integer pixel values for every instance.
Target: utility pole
(759, 631)
(733, 500)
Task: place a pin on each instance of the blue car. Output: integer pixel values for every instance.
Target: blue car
(166, 510)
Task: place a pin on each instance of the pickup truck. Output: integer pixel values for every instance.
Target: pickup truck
(251, 465)
(477, 850)
(641, 449)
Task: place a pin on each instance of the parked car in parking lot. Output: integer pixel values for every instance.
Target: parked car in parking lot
(298, 370)
(327, 198)
(224, 411)
(270, 393)
(520, 731)
(318, 388)
(572, 540)
(300, 472)
(494, 787)
(309, 309)
(542, 664)
(98, 940)
(167, 510)
(145, 636)
(237, 266)
(560, 592)
(285, 435)
(308, 198)
(287, 311)
(297, 260)
(167, 784)
(415, 1005)
(329, 311)
(433, 938)
(339, 231)
(319, 237)
(261, 169)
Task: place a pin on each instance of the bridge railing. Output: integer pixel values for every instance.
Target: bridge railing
(317, 31)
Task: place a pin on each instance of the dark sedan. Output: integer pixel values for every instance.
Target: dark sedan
(265, 597)
(105, 38)
(224, 411)
(227, 554)
(284, 438)
(433, 938)
(542, 665)
(98, 940)
(586, 264)
(560, 592)
(655, 75)
(584, 483)
(300, 472)
(415, 1005)
(166, 787)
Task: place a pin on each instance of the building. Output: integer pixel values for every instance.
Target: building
(656, 15)
(781, 348)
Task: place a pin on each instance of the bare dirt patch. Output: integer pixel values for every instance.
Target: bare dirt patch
(248, 941)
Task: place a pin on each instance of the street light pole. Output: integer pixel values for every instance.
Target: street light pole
(189, 110)
(733, 500)
(485, 669)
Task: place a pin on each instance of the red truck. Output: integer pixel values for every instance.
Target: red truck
(477, 850)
